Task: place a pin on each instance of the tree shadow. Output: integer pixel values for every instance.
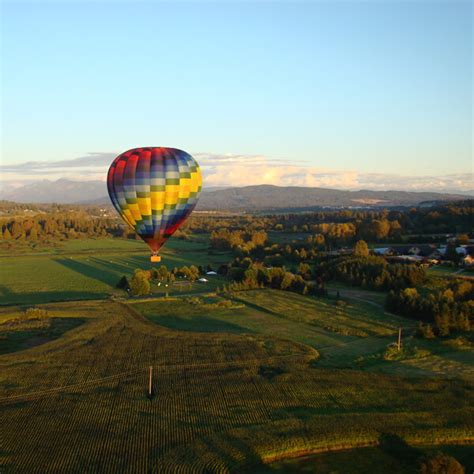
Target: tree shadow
(21, 339)
(198, 324)
(261, 309)
(396, 447)
(117, 265)
(103, 275)
(28, 299)
(5, 293)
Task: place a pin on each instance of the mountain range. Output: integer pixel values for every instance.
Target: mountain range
(268, 197)
(249, 198)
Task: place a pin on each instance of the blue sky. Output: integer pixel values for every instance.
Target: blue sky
(303, 89)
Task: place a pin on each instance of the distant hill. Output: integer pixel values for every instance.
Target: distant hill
(267, 197)
(249, 198)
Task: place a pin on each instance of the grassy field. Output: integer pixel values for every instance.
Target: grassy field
(448, 271)
(237, 384)
(90, 269)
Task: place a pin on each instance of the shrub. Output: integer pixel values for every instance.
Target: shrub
(425, 331)
(405, 352)
(194, 300)
(440, 463)
(36, 313)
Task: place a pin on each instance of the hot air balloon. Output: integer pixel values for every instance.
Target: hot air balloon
(154, 189)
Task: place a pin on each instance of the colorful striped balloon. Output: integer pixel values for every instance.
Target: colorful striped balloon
(154, 189)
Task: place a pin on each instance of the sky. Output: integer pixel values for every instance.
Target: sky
(352, 95)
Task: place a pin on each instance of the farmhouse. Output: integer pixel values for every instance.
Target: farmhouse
(421, 250)
(384, 251)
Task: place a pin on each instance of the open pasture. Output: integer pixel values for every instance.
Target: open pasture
(90, 269)
(221, 400)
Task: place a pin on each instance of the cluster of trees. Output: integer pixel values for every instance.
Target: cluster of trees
(446, 309)
(303, 252)
(278, 254)
(247, 275)
(371, 272)
(140, 283)
(245, 241)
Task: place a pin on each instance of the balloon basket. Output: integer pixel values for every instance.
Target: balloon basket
(155, 259)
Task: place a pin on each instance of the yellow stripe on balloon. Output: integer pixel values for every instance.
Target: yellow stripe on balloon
(157, 200)
(196, 181)
(135, 210)
(144, 204)
(128, 217)
(171, 198)
(185, 187)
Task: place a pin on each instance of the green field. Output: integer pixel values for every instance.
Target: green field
(447, 271)
(240, 381)
(90, 269)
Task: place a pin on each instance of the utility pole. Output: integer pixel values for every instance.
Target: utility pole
(150, 383)
(399, 345)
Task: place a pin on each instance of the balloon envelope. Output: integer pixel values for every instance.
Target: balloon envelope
(154, 189)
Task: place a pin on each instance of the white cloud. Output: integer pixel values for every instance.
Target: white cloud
(243, 170)
(237, 170)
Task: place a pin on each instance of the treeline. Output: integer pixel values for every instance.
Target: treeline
(11, 208)
(384, 225)
(371, 272)
(443, 310)
(317, 231)
(59, 225)
(347, 226)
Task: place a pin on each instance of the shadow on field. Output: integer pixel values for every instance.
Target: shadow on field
(8, 297)
(399, 449)
(20, 339)
(91, 271)
(5, 293)
(258, 307)
(198, 324)
(116, 265)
